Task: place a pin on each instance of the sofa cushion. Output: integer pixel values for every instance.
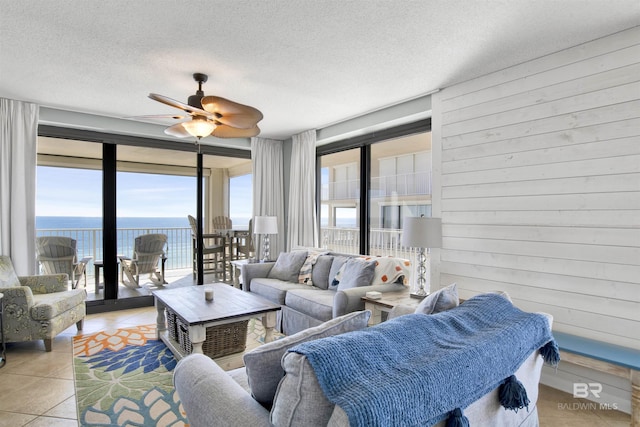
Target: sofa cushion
(442, 300)
(336, 265)
(287, 266)
(264, 370)
(48, 306)
(354, 273)
(320, 271)
(316, 303)
(273, 289)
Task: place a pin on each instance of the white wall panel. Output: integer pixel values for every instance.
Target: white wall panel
(538, 187)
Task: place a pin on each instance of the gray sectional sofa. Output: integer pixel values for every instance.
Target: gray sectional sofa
(279, 385)
(322, 297)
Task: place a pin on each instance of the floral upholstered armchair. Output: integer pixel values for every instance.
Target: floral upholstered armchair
(38, 307)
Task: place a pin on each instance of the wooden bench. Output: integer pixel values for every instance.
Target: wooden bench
(609, 358)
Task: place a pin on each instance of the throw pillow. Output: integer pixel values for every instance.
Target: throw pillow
(390, 270)
(263, 367)
(338, 262)
(442, 300)
(8, 277)
(287, 266)
(305, 271)
(355, 273)
(320, 271)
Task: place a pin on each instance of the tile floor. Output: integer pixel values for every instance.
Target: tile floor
(36, 388)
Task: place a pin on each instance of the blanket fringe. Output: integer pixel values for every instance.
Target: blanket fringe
(550, 353)
(457, 419)
(513, 395)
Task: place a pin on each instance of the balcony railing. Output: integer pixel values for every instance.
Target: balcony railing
(89, 243)
(410, 184)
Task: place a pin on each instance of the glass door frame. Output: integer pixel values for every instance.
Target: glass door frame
(109, 171)
(363, 142)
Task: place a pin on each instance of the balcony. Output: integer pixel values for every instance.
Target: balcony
(411, 184)
(89, 244)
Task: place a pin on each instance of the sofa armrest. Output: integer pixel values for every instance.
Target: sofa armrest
(349, 300)
(46, 283)
(16, 298)
(250, 271)
(208, 394)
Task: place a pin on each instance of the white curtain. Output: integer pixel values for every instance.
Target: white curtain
(302, 224)
(268, 189)
(18, 141)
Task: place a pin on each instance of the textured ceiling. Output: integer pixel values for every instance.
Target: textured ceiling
(304, 64)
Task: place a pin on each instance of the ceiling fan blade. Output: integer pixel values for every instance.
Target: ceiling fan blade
(223, 107)
(240, 121)
(177, 130)
(159, 116)
(180, 105)
(224, 131)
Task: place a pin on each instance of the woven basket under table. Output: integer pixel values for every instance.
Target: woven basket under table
(220, 340)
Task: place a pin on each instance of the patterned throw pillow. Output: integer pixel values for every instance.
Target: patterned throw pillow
(388, 270)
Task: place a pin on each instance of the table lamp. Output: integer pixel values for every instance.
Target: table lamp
(265, 225)
(422, 233)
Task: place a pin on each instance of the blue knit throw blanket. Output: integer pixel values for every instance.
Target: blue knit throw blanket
(415, 370)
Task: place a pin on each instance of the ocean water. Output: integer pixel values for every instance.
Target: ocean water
(65, 222)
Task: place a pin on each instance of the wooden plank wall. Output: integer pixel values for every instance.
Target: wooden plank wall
(537, 181)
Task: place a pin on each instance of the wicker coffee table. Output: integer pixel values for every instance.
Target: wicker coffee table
(188, 323)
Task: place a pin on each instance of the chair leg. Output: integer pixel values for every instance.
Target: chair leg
(80, 324)
(48, 344)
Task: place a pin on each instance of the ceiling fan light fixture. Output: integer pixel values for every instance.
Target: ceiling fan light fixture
(199, 127)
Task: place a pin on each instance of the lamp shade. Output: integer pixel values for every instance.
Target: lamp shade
(265, 225)
(422, 232)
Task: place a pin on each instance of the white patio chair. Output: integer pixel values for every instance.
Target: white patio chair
(148, 251)
(58, 255)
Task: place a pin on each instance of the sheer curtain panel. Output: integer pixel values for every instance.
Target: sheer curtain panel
(268, 188)
(303, 230)
(18, 141)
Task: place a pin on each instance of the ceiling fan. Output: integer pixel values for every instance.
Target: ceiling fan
(211, 115)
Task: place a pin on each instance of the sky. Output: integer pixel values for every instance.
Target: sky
(78, 192)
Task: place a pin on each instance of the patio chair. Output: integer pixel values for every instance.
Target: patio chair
(214, 251)
(222, 222)
(38, 307)
(244, 243)
(58, 255)
(148, 251)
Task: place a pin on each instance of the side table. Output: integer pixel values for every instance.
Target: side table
(386, 304)
(236, 269)
(3, 355)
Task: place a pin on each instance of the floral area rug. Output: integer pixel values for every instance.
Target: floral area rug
(124, 377)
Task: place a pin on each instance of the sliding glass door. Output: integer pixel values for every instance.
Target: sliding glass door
(368, 184)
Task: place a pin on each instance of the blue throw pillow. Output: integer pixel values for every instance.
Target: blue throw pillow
(287, 266)
(355, 273)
